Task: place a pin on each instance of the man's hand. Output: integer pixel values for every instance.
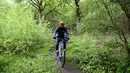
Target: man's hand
(67, 39)
(54, 37)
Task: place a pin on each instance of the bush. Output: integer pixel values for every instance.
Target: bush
(20, 64)
(96, 58)
(19, 32)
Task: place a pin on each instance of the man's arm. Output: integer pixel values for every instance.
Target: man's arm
(67, 33)
(55, 31)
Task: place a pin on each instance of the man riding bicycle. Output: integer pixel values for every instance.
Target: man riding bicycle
(61, 32)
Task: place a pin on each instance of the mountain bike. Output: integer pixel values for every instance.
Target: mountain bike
(62, 53)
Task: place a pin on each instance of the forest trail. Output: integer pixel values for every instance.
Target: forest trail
(67, 68)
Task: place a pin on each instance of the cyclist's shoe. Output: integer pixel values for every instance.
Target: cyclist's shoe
(57, 53)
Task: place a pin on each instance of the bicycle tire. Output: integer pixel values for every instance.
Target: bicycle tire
(62, 60)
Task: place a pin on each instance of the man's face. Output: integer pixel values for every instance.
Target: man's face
(62, 26)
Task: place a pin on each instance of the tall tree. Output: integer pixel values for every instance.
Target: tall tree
(125, 5)
(126, 8)
(38, 4)
(78, 14)
(120, 31)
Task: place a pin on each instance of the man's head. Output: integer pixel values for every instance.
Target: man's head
(61, 24)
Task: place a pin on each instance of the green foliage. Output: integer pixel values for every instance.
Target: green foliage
(20, 39)
(18, 1)
(97, 56)
(20, 64)
(95, 17)
(37, 65)
(3, 65)
(19, 32)
(122, 1)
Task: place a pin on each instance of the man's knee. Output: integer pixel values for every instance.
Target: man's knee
(57, 44)
(64, 45)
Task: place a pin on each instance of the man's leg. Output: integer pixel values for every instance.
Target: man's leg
(57, 44)
(64, 44)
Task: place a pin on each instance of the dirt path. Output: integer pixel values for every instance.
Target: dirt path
(67, 68)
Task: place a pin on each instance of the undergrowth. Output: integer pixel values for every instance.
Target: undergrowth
(102, 55)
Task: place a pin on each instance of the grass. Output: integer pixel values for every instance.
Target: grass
(34, 62)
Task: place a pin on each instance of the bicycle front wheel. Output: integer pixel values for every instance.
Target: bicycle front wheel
(62, 59)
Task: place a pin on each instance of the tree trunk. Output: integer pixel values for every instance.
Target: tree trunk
(78, 15)
(126, 11)
(38, 6)
(129, 24)
(121, 33)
